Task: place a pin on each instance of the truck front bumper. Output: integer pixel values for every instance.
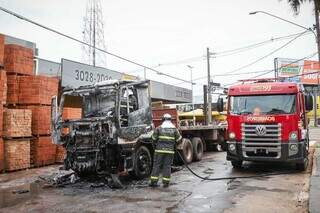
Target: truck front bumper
(281, 152)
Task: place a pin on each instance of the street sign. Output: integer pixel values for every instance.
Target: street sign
(75, 74)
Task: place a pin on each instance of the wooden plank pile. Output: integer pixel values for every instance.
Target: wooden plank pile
(24, 111)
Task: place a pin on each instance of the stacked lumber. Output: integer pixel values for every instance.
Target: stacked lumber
(12, 89)
(18, 59)
(37, 89)
(17, 123)
(1, 50)
(3, 87)
(1, 155)
(27, 93)
(17, 134)
(43, 151)
(17, 154)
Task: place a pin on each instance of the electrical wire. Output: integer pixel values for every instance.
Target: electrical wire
(84, 43)
(256, 45)
(272, 70)
(256, 61)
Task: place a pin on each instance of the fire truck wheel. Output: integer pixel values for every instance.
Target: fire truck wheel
(236, 164)
(222, 142)
(142, 163)
(197, 148)
(303, 165)
(187, 151)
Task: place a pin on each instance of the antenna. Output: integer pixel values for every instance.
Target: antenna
(93, 34)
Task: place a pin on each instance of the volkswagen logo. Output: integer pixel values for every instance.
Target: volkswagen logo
(261, 130)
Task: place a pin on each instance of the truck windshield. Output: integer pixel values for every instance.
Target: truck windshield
(263, 104)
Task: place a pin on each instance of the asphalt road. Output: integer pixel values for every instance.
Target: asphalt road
(23, 192)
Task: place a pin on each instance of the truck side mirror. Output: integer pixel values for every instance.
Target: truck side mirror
(220, 105)
(308, 100)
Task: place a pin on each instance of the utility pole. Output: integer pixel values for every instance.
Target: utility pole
(193, 112)
(209, 89)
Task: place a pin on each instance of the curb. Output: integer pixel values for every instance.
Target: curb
(314, 204)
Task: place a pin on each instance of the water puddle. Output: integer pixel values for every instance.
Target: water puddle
(15, 195)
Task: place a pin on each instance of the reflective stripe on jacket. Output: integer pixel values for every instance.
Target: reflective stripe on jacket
(165, 138)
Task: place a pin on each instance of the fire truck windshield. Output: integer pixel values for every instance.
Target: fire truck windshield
(263, 104)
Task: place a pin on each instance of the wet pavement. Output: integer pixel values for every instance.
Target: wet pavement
(24, 191)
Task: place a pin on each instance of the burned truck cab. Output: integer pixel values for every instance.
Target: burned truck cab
(114, 134)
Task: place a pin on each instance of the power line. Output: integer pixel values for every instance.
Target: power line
(272, 70)
(257, 60)
(252, 46)
(84, 43)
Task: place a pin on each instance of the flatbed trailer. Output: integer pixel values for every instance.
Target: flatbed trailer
(195, 139)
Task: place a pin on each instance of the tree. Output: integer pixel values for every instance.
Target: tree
(295, 5)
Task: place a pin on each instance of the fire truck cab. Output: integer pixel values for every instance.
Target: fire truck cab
(267, 122)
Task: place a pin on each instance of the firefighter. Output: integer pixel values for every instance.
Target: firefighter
(165, 137)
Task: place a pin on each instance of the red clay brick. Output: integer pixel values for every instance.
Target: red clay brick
(18, 59)
(17, 154)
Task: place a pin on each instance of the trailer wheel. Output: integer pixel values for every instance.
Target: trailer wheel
(187, 151)
(197, 146)
(237, 164)
(142, 163)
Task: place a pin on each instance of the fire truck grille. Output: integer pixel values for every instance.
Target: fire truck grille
(261, 140)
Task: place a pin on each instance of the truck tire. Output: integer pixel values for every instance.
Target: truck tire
(237, 164)
(303, 165)
(197, 146)
(142, 163)
(222, 142)
(187, 151)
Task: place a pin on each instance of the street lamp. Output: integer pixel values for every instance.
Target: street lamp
(191, 79)
(318, 45)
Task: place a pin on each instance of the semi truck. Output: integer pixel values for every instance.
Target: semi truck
(267, 121)
(114, 134)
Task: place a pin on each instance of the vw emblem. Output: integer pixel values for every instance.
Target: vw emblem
(261, 130)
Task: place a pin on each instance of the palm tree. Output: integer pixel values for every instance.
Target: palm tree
(295, 5)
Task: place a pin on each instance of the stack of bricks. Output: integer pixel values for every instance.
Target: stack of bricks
(68, 114)
(30, 92)
(17, 135)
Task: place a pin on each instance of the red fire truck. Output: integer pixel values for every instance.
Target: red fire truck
(267, 122)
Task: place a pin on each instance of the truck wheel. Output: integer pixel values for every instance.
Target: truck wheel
(222, 142)
(237, 164)
(142, 163)
(197, 146)
(303, 165)
(187, 151)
